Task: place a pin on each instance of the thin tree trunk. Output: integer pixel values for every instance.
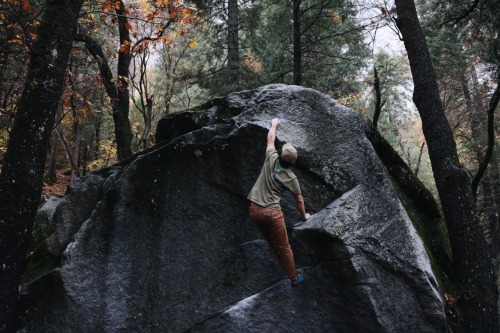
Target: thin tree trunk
(417, 167)
(148, 122)
(22, 172)
(52, 167)
(297, 45)
(378, 97)
(494, 175)
(97, 131)
(486, 202)
(5, 52)
(118, 93)
(75, 154)
(170, 66)
(472, 266)
(474, 107)
(123, 130)
(491, 135)
(69, 153)
(85, 159)
(233, 47)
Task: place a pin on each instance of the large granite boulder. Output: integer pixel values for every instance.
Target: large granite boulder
(162, 242)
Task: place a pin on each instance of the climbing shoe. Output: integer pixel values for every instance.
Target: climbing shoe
(296, 281)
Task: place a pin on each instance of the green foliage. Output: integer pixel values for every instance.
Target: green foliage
(464, 52)
(332, 41)
(399, 122)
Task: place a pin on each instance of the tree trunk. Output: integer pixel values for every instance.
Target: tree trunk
(491, 135)
(378, 97)
(75, 173)
(494, 178)
(52, 165)
(493, 174)
(233, 47)
(476, 123)
(6, 34)
(419, 160)
(297, 45)
(169, 81)
(118, 93)
(123, 130)
(487, 202)
(77, 135)
(148, 122)
(97, 132)
(22, 172)
(472, 266)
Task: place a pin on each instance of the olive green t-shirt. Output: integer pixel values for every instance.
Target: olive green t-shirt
(272, 181)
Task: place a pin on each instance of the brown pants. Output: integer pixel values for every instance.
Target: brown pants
(271, 224)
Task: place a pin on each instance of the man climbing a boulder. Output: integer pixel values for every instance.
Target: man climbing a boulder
(265, 210)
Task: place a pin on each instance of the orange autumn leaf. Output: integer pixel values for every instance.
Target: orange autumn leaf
(83, 112)
(336, 17)
(106, 5)
(25, 5)
(124, 48)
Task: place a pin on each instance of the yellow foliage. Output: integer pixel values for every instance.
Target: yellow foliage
(251, 63)
(336, 17)
(350, 99)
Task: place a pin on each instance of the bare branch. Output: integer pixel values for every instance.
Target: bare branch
(464, 15)
(495, 98)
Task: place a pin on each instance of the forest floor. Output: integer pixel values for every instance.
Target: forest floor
(58, 188)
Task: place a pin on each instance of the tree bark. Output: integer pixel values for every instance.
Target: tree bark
(75, 173)
(494, 222)
(123, 130)
(97, 132)
(419, 160)
(118, 93)
(491, 135)
(22, 172)
(105, 72)
(487, 203)
(52, 165)
(378, 97)
(233, 47)
(297, 45)
(472, 267)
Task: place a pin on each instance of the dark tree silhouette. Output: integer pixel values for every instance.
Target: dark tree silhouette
(472, 267)
(24, 162)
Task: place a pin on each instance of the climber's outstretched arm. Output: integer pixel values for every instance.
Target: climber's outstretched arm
(271, 135)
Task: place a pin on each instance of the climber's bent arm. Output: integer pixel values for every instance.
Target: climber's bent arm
(299, 199)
